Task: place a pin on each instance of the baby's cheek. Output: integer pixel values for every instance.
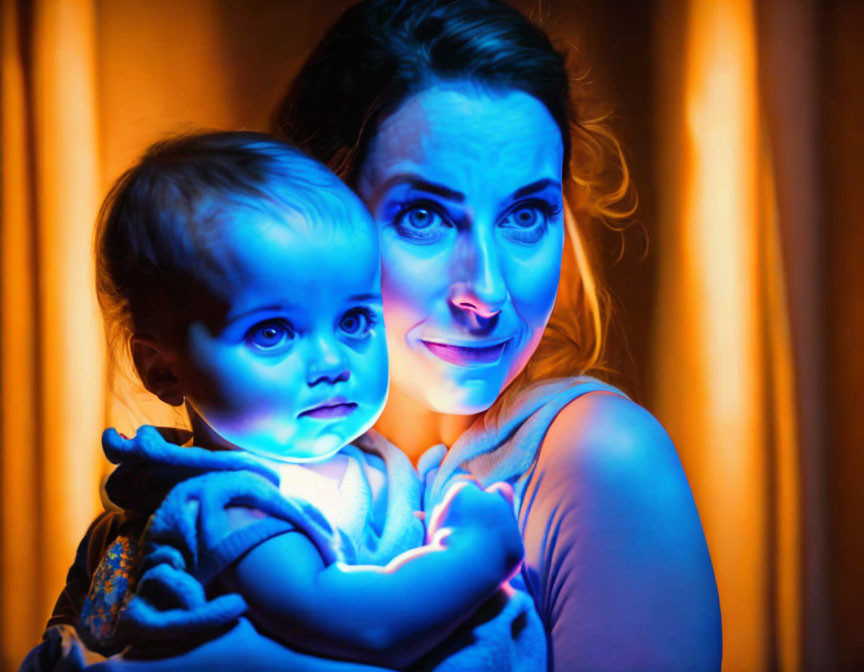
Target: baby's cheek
(207, 372)
(370, 366)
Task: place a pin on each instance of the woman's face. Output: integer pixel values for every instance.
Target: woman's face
(465, 185)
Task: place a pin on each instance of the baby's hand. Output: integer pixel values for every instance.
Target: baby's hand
(488, 514)
(467, 503)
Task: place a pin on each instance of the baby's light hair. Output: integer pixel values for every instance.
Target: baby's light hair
(161, 217)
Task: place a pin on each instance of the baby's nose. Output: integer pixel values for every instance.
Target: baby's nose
(331, 377)
(327, 364)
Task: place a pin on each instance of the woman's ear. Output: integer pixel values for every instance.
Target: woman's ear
(152, 361)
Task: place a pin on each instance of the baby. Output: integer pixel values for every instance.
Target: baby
(246, 279)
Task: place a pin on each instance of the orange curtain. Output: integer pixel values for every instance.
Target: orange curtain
(731, 340)
(86, 86)
(52, 379)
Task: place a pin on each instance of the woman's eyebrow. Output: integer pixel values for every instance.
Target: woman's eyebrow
(422, 185)
(440, 190)
(534, 187)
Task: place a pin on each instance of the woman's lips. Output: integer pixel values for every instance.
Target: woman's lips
(467, 355)
(330, 409)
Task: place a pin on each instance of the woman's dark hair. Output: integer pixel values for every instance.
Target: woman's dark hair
(380, 52)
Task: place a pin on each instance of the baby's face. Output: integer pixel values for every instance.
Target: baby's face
(285, 353)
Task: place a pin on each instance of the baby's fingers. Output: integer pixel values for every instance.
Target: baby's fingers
(434, 521)
(504, 489)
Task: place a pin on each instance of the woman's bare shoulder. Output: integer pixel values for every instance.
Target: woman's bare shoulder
(610, 435)
(636, 546)
(617, 472)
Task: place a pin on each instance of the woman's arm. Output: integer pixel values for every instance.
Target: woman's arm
(382, 615)
(613, 540)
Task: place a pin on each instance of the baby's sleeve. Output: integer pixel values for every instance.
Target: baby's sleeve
(245, 528)
(102, 530)
(98, 580)
(205, 524)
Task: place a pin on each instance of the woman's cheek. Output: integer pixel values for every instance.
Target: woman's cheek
(409, 284)
(533, 299)
(533, 283)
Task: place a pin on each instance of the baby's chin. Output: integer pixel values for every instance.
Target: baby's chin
(314, 449)
(307, 441)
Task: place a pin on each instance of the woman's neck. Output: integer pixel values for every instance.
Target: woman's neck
(412, 427)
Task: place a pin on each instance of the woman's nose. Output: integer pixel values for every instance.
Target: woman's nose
(326, 364)
(478, 292)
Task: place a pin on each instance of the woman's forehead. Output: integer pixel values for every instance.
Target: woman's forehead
(466, 137)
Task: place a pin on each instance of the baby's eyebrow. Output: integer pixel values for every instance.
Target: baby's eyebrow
(273, 307)
(368, 297)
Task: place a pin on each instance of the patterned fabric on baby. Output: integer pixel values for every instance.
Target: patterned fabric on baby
(110, 590)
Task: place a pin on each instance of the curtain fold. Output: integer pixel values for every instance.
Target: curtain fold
(19, 559)
(735, 381)
(52, 406)
(789, 85)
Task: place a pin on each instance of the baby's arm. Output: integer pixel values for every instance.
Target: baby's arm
(383, 615)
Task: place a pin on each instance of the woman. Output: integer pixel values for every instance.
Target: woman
(472, 144)
(465, 134)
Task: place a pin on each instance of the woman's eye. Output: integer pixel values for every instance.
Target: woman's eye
(528, 222)
(421, 223)
(421, 218)
(357, 322)
(270, 336)
(526, 217)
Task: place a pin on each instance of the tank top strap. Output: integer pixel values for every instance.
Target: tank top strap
(502, 448)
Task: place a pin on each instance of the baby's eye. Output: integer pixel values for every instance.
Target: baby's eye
(270, 337)
(357, 322)
(421, 222)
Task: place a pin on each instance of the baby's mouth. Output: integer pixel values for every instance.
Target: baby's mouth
(462, 355)
(329, 410)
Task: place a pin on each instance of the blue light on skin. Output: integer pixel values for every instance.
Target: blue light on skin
(284, 354)
(465, 185)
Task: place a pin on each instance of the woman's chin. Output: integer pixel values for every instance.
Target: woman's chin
(464, 397)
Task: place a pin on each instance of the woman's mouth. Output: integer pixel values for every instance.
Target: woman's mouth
(330, 409)
(462, 355)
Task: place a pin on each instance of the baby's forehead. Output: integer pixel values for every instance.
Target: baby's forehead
(301, 225)
(310, 203)
(309, 196)
(308, 233)
(297, 199)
